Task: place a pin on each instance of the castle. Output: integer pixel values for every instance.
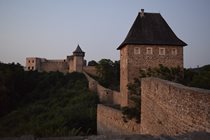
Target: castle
(166, 108)
(149, 42)
(72, 63)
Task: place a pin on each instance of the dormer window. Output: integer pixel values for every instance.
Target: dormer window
(162, 51)
(174, 51)
(149, 51)
(137, 50)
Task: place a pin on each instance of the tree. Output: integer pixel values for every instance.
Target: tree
(105, 71)
(92, 63)
(109, 73)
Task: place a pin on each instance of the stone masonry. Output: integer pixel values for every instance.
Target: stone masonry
(169, 108)
(131, 63)
(72, 63)
(149, 42)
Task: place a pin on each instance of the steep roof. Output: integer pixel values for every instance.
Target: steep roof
(78, 50)
(151, 29)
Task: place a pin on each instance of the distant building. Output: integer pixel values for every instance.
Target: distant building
(72, 63)
(149, 42)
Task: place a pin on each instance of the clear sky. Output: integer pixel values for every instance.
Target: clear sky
(53, 28)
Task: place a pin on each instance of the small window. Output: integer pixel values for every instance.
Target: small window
(174, 51)
(32, 61)
(137, 50)
(149, 50)
(28, 68)
(28, 61)
(32, 68)
(162, 51)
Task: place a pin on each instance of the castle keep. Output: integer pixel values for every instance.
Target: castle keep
(149, 42)
(72, 63)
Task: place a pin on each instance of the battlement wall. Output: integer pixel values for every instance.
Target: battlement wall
(171, 109)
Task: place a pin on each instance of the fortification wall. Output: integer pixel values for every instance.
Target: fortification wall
(171, 109)
(90, 70)
(54, 65)
(124, 75)
(110, 121)
(105, 95)
(117, 98)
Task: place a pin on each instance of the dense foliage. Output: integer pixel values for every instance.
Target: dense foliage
(45, 104)
(92, 63)
(109, 73)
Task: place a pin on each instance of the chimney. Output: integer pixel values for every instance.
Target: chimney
(142, 13)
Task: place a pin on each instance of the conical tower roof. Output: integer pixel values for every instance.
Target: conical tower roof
(78, 51)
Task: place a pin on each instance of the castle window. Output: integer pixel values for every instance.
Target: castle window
(149, 50)
(136, 50)
(32, 68)
(28, 61)
(174, 51)
(162, 51)
(32, 61)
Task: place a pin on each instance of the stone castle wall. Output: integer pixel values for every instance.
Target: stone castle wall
(167, 108)
(54, 65)
(90, 70)
(110, 122)
(124, 75)
(105, 95)
(171, 109)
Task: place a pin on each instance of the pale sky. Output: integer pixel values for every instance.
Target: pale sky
(53, 28)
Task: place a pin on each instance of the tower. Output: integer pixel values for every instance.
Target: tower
(149, 42)
(78, 60)
(33, 63)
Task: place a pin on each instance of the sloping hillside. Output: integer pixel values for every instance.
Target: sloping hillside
(45, 104)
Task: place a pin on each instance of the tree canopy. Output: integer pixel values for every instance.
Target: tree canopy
(109, 73)
(45, 104)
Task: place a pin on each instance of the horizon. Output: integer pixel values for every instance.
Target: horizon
(52, 29)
